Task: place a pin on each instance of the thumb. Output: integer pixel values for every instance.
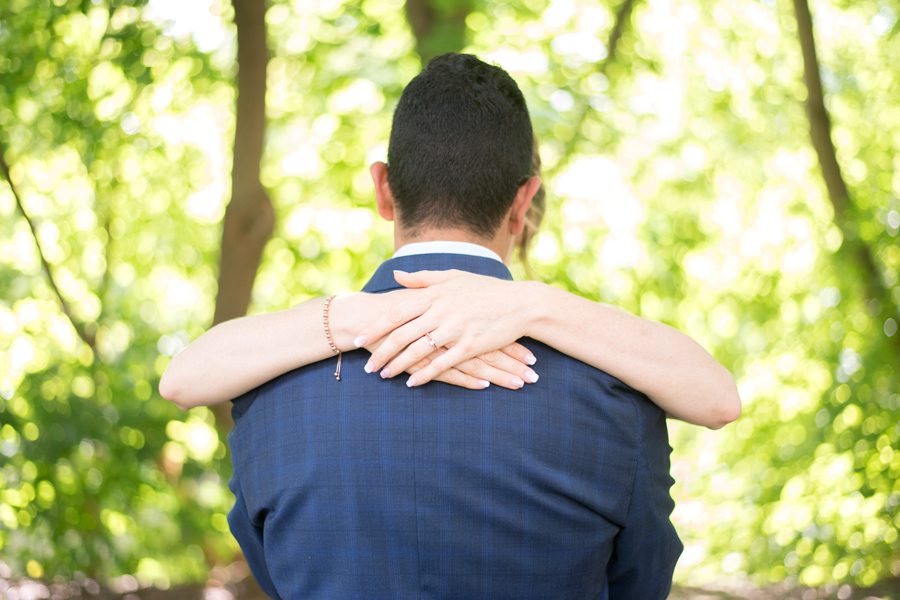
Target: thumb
(422, 279)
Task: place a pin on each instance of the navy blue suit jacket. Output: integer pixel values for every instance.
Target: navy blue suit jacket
(364, 488)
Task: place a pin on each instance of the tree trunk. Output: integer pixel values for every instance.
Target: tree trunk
(437, 26)
(249, 218)
(878, 295)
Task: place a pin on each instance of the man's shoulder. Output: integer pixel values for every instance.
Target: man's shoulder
(562, 378)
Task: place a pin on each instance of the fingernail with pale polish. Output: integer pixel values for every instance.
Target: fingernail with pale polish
(484, 383)
(531, 376)
(530, 359)
(361, 341)
(368, 368)
(517, 382)
(410, 382)
(385, 373)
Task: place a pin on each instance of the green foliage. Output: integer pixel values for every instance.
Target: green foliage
(89, 471)
(681, 187)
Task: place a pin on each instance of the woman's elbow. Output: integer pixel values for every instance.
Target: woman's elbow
(169, 390)
(729, 410)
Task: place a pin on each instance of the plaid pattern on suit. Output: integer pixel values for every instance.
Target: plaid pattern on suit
(367, 489)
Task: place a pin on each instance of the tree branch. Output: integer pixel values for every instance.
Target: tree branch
(623, 15)
(107, 255)
(87, 336)
(622, 18)
(819, 122)
(877, 292)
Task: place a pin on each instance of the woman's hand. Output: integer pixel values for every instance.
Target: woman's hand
(505, 368)
(443, 310)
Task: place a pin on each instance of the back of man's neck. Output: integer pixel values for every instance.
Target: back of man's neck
(447, 235)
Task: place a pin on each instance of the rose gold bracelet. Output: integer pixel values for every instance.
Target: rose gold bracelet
(325, 314)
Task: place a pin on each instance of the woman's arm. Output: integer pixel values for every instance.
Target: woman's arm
(668, 366)
(236, 356)
(665, 364)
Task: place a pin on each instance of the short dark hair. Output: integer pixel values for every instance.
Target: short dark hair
(461, 145)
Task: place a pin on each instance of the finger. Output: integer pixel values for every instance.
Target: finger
(501, 369)
(408, 356)
(399, 340)
(476, 367)
(397, 315)
(420, 279)
(455, 355)
(513, 367)
(520, 353)
(419, 365)
(453, 376)
(460, 379)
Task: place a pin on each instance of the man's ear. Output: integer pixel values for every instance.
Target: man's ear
(522, 203)
(384, 199)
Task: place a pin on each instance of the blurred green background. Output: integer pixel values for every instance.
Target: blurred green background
(683, 185)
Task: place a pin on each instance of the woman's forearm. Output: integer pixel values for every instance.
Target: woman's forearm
(663, 363)
(237, 355)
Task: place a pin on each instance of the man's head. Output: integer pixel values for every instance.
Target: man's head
(460, 153)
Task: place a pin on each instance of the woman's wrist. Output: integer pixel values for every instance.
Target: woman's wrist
(344, 319)
(534, 306)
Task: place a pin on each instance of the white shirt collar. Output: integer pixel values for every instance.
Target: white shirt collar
(446, 247)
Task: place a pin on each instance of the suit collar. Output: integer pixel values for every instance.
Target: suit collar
(445, 247)
(383, 279)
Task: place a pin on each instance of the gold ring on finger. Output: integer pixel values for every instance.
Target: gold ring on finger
(431, 341)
